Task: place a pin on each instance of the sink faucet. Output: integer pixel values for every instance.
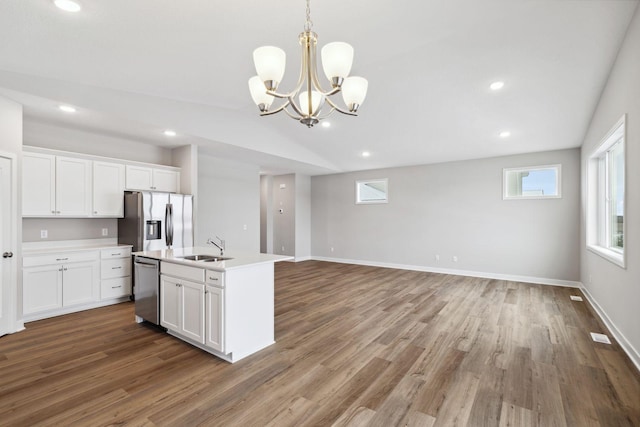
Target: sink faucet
(220, 246)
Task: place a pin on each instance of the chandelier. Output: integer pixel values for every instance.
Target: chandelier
(337, 58)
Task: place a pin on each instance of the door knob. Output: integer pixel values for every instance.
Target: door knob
(7, 255)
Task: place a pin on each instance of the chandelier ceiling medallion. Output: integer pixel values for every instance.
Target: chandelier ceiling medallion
(337, 58)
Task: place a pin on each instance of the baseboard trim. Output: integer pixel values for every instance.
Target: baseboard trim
(302, 258)
(627, 347)
(484, 275)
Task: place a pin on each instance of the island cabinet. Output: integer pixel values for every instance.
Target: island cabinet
(227, 313)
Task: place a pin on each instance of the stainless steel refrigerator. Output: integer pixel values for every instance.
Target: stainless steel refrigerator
(153, 221)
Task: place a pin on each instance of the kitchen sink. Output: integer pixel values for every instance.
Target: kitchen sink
(216, 259)
(198, 257)
(204, 258)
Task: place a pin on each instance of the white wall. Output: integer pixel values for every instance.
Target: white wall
(228, 199)
(617, 290)
(453, 209)
(54, 137)
(11, 144)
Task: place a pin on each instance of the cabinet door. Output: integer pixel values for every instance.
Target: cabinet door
(79, 284)
(42, 288)
(108, 189)
(73, 187)
(139, 178)
(215, 318)
(169, 304)
(38, 185)
(166, 180)
(192, 310)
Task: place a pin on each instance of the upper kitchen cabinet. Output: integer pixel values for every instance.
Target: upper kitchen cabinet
(55, 186)
(108, 187)
(153, 179)
(38, 185)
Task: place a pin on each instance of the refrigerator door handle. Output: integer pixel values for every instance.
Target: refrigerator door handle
(168, 227)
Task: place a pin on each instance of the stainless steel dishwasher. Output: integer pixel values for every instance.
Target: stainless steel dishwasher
(147, 284)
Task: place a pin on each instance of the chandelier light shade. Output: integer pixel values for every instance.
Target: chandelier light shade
(306, 101)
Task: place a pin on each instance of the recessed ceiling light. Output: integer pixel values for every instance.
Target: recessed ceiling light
(366, 154)
(67, 108)
(68, 5)
(505, 134)
(326, 124)
(496, 85)
(169, 132)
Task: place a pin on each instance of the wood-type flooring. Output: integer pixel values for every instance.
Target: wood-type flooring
(356, 346)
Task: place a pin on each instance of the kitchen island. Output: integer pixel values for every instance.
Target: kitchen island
(221, 304)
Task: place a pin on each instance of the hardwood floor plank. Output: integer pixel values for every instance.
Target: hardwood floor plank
(355, 346)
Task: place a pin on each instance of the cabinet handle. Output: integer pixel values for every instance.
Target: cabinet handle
(116, 268)
(65, 269)
(115, 254)
(213, 278)
(62, 259)
(60, 269)
(53, 212)
(116, 287)
(95, 212)
(57, 212)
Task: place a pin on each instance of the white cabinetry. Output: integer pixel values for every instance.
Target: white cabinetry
(55, 186)
(38, 184)
(58, 281)
(73, 187)
(108, 188)
(115, 273)
(214, 297)
(183, 307)
(153, 179)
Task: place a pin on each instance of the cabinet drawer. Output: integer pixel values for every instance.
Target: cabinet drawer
(115, 288)
(182, 271)
(110, 268)
(215, 278)
(59, 258)
(115, 253)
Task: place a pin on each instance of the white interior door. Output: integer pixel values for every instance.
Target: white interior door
(7, 262)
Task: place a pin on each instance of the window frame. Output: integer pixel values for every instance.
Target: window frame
(505, 172)
(371, 202)
(599, 224)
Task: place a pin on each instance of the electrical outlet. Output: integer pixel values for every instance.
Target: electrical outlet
(437, 257)
(44, 234)
(331, 248)
(283, 249)
(244, 227)
(105, 231)
(455, 258)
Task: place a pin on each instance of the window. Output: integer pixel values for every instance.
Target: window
(605, 196)
(372, 191)
(536, 182)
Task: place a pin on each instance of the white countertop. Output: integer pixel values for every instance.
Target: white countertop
(43, 248)
(238, 259)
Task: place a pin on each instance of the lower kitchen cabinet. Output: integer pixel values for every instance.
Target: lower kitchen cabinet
(55, 283)
(215, 317)
(183, 307)
(42, 288)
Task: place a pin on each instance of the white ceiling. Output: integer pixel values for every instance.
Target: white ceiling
(135, 68)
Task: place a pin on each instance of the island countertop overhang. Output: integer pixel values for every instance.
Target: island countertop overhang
(237, 259)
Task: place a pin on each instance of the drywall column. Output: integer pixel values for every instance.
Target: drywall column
(186, 158)
(303, 217)
(284, 215)
(266, 214)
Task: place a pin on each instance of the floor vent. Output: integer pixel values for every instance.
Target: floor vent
(575, 298)
(600, 338)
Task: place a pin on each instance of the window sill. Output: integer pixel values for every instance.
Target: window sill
(615, 257)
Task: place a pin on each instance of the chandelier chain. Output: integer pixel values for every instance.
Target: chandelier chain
(308, 23)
